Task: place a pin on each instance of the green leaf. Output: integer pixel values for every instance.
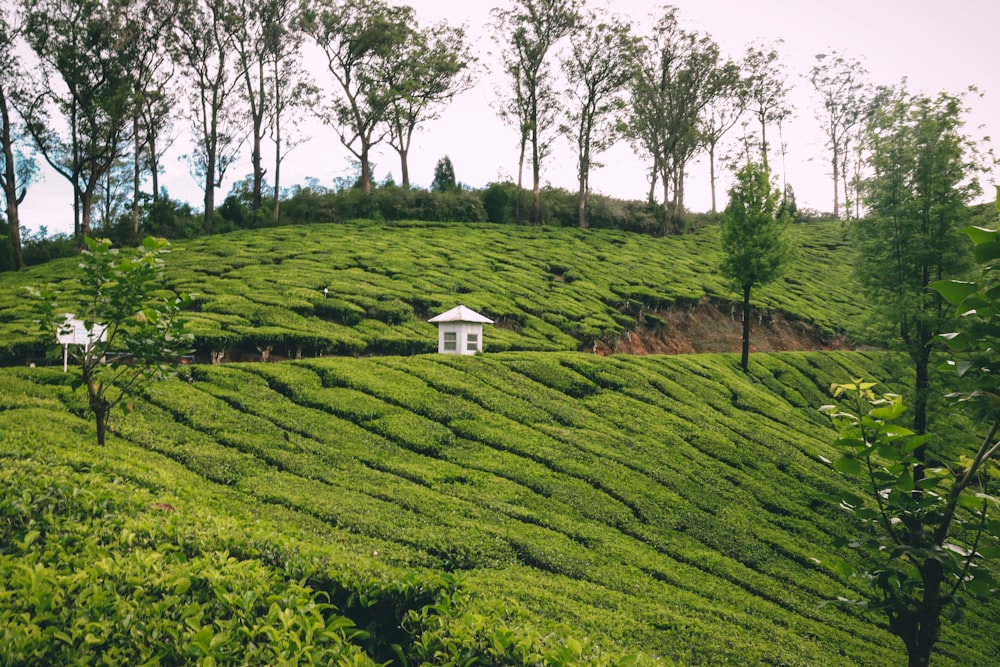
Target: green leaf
(842, 567)
(182, 585)
(905, 480)
(986, 252)
(990, 552)
(912, 443)
(889, 410)
(848, 465)
(981, 234)
(889, 452)
(954, 291)
(956, 341)
(980, 588)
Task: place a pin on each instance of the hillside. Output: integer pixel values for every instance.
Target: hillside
(261, 292)
(661, 506)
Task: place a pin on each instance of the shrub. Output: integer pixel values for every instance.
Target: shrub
(498, 201)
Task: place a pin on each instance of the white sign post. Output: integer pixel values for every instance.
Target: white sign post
(75, 332)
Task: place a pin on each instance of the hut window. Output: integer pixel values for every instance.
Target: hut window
(450, 341)
(472, 342)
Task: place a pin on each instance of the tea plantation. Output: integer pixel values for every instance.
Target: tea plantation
(500, 505)
(534, 505)
(547, 288)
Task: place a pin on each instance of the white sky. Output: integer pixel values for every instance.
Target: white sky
(935, 45)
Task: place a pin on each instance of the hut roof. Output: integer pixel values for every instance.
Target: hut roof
(460, 314)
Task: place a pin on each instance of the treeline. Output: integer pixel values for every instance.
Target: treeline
(310, 203)
(101, 89)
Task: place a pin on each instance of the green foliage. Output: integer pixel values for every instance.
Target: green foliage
(931, 529)
(924, 175)
(926, 532)
(755, 238)
(134, 331)
(754, 232)
(509, 504)
(497, 202)
(444, 176)
(41, 248)
(547, 288)
(92, 575)
(978, 304)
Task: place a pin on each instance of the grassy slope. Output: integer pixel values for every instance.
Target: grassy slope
(663, 504)
(548, 288)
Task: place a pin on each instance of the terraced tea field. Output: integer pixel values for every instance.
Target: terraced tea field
(668, 507)
(548, 289)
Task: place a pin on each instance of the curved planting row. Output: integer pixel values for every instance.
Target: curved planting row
(672, 505)
(665, 476)
(364, 287)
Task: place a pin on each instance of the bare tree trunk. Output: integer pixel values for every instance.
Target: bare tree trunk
(763, 145)
(664, 228)
(518, 206)
(86, 200)
(836, 184)
(100, 408)
(11, 196)
(584, 186)
(711, 173)
(154, 163)
(745, 356)
(653, 179)
(404, 168)
(278, 105)
(136, 173)
(536, 177)
(210, 189)
(277, 169)
(255, 155)
(366, 169)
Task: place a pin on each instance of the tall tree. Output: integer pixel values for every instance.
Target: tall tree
(444, 176)
(532, 28)
(673, 85)
(767, 93)
(599, 67)
(364, 42)
(16, 169)
(433, 70)
(923, 170)
(925, 543)
(755, 238)
(151, 70)
(724, 109)
(840, 83)
(255, 24)
(80, 110)
(202, 47)
(290, 86)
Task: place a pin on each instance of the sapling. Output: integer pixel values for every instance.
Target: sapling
(142, 330)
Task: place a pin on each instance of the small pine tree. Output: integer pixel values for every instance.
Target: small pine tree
(444, 176)
(754, 237)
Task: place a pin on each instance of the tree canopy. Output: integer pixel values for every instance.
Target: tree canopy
(755, 238)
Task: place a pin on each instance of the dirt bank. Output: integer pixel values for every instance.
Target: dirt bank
(710, 327)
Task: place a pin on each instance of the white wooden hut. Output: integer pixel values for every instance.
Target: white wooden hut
(460, 331)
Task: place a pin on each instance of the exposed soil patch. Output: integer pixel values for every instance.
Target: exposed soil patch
(709, 327)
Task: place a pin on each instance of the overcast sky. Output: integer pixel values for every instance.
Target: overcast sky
(936, 46)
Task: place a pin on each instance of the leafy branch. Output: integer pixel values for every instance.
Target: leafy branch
(135, 332)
